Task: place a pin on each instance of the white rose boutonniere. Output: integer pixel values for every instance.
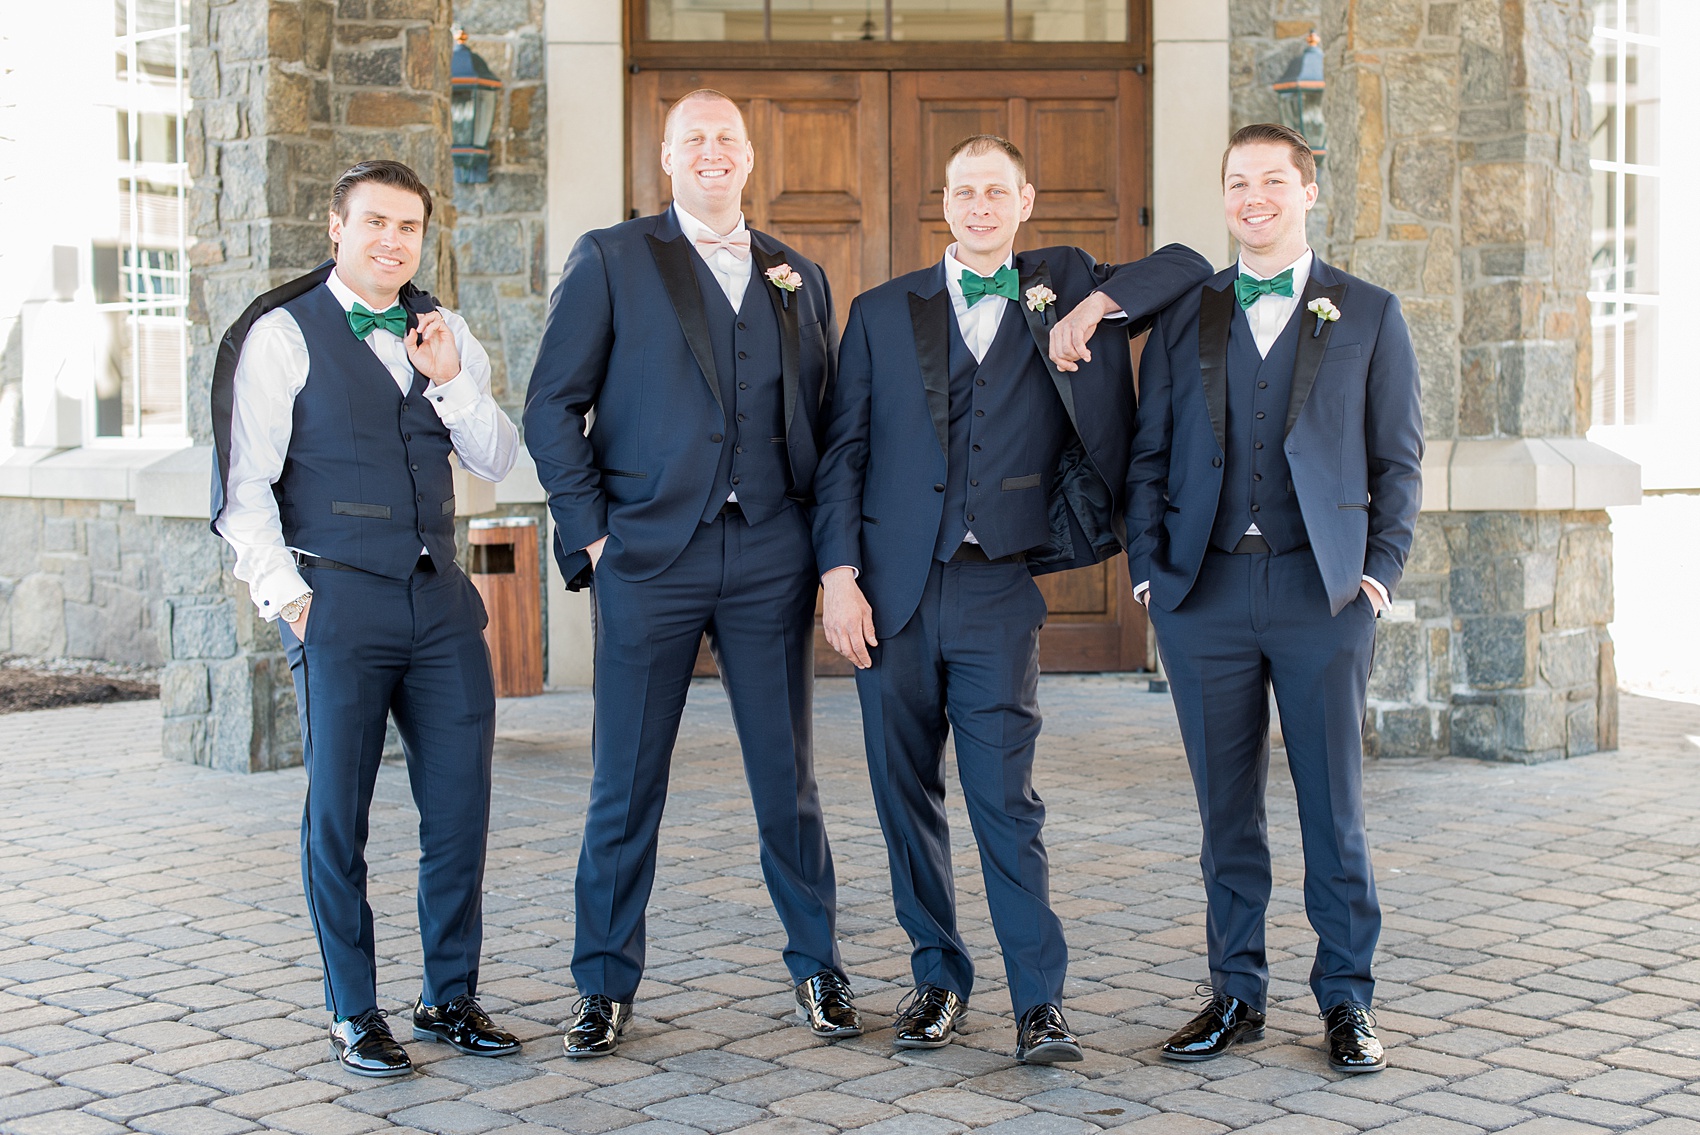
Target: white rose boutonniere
(1325, 312)
(1039, 297)
(784, 277)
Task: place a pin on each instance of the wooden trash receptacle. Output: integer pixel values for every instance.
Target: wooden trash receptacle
(504, 569)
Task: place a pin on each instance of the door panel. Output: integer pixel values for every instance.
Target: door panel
(850, 171)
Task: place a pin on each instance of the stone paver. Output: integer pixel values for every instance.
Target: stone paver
(1538, 971)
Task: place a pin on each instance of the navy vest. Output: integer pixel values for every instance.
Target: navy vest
(367, 479)
(754, 461)
(979, 393)
(1257, 485)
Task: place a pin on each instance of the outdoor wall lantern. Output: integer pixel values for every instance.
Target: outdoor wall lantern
(473, 91)
(1300, 90)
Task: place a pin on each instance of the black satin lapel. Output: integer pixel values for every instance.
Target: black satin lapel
(1215, 320)
(785, 307)
(1039, 323)
(223, 392)
(1312, 345)
(932, 350)
(672, 258)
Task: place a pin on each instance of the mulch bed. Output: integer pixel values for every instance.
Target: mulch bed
(25, 689)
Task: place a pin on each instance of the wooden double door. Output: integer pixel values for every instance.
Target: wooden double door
(850, 171)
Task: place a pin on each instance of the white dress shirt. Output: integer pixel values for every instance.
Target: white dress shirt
(1268, 316)
(732, 273)
(270, 373)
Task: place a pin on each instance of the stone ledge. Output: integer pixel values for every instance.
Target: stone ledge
(95, 473)
(1526, 475)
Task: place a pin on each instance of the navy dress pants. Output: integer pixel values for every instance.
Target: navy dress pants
(968, 661)
(752, 591)
(413, 648)
(1251, 622)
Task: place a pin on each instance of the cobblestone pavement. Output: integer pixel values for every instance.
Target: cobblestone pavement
(1538, 970)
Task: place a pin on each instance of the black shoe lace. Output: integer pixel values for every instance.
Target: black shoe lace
(371, 1019)
(1044, 1016)
(832, 992)
(1348, 1015)
(462, 1007)
(595, 1003)
(917, 1000)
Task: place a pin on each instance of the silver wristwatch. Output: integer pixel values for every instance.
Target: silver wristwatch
(292, 610)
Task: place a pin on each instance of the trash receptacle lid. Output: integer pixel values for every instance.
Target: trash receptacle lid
(506, 522)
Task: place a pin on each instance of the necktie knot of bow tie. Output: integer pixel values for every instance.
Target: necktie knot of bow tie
(1250, 289)
(738, 244)
(362, 321)
(1004, 282)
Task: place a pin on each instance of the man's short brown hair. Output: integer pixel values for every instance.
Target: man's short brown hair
(976, 144)
(1275, 134)
(383, 172)
(701, 94)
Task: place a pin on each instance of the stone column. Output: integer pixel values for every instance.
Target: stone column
(1461, 182)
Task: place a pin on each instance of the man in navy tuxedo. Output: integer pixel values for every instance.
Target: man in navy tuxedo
(1275, 481)
(702, 347)
(957, 464)
(333, 422)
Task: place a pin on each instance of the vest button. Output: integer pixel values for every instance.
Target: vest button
(734, 480)
(974, 483)
(970, 518)
(714, 437)
(976, 449)
(743, 386)
(938, 488)
(741, 417)
(979, 382)
(1257, 476)
(1257, 445)
(743, 354)
(1263, 386)
(415, 468)
(979, 413)
(407, 437)
(1260, 415)
(737, 449)
(1255, 508)
(1215, 463)
(741, 327)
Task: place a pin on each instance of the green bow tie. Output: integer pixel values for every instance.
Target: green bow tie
(1250, 289)
(1005, 282)
(361, 321)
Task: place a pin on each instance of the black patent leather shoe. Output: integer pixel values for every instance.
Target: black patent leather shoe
(463, 1024)
(597, 1030)
(1352, 1043)
(364, 1046)
(1042, 1037)
(1225, 1022)
(823, 1001)
(930, 1018)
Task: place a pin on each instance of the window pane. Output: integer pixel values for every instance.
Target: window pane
(1640, 233)
(1605, 13)
(1071, 21)
(829, 21)
(1642, 16)
(139, 376)
(926, 20)
(706, 20)
(1641, 109)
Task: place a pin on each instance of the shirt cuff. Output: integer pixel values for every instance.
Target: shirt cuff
(855, 572)
(456, 396)
(274, 591)
(1386, 599)
(1141, 590)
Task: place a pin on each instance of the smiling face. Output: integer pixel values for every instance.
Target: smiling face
(379, 241)
(985, 201)
(708, 155)
(1265, 201)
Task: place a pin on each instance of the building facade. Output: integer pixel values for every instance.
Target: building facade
(1463, 172)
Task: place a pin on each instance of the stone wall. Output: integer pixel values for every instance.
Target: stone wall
(505, 276)
(1458, 178)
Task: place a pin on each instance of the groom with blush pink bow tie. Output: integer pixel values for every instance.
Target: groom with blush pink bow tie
(672, 414)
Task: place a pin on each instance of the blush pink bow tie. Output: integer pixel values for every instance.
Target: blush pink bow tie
(738, 244)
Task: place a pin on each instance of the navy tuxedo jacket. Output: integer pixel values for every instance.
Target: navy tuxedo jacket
(878, 508)
(1353, 439)
(628, 338)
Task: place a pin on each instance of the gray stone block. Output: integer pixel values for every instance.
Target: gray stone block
(1474, 728)
(1534, 722)
(1569, 658)
(1424, 176)
(1582, 588)
(185, 739)
(1401, 663)
(1500, 650)
(184, 690)
(101, 537)
(202, 629)
(1582, 729)
(1415, 732)
(20, 536)
(38, 616)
